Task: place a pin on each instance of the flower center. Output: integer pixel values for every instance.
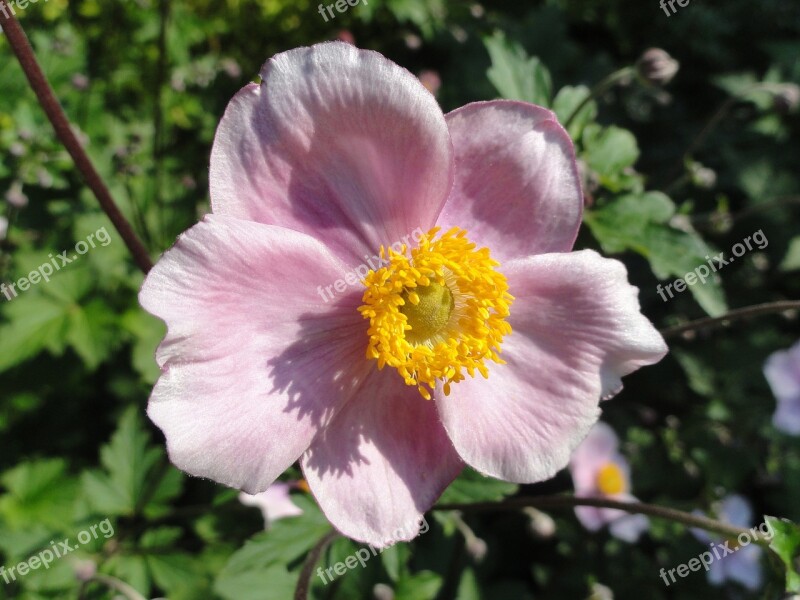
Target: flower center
(430, 314)
(436, 311)
(610, 480)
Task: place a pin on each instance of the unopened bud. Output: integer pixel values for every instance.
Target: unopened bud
(657, 67)
(600, 592)
(381, 591)
(15, 196)
(787, 99)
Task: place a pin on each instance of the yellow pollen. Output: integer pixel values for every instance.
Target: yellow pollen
(436, 311)
(610, 479)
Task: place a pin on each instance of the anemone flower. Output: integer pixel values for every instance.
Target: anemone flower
(275, 503)
(600, 471)
(740, 562)
(782, 370)
(291, 336)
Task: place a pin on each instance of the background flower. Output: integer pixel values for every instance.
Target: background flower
(744, 565)
(600, 471)
(782, 370)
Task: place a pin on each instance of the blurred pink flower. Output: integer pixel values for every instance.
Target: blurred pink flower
(275, 503)
(431, 81)
(336, 153)
(743, 565)
(782, 370)
(600, 471)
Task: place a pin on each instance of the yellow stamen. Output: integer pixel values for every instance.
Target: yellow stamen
(436, 311)
(610, 479)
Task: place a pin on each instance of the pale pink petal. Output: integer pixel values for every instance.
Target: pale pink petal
(577, 331)
(629, 527)
(590, 517)
(782, 370)
(337, 142)
(275, 503)
(255, 362)
(598, 448)
(517, 189)
(381, 463)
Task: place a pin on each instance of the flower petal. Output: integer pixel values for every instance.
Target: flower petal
(275, 503)
(517, 189)
(335, 140)
(381, 463)
(598, 448)
(250, 345)
(629, 527)
(782, 370)
(577, 331)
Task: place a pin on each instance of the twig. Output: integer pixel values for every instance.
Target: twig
(734, 315)
(562, 501)
(55, 113)
(304, 583)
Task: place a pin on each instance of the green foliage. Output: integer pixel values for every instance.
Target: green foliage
(145, 84)
(786, 544)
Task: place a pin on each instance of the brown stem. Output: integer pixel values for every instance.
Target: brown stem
(560, 501)
(304, 583)
(734, 315)
(55, 113)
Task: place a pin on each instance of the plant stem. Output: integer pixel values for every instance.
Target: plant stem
(598, 90)
(55, 113)
(563, 501)
(734, 315)
(304, 583)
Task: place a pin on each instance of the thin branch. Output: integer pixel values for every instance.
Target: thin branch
(562, 501)
(734, 315)
(304, 583)
(598, 90)
(55, 113)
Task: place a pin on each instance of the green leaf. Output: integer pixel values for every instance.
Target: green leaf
(284, 544)
(791, 262)
(38, 491)
(565, 103)
(420, 586)
(640, 222)
(147, 332)
(129, 463)
(92, 332)
(608, 151)
(514, 75)
(786, 544)
(36, 323)
(471, 486)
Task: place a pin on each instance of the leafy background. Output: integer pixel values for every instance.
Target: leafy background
(146, 82)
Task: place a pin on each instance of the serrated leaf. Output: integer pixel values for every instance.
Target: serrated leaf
(35, 323)
(128, 460)
(608, 151)
(785, 543)
(640, 222)
(515, 75)
(471, 486)
(286, 541)
(565, 103)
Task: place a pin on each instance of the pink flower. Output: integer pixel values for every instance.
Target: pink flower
(734, 559)
(271, 357)
(275, 503)
(782, 370)
(600, 471)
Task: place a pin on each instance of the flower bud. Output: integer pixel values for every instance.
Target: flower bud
(15, 196)
(656, 67)
(3, 228)
(381, 591)
(787, 99)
